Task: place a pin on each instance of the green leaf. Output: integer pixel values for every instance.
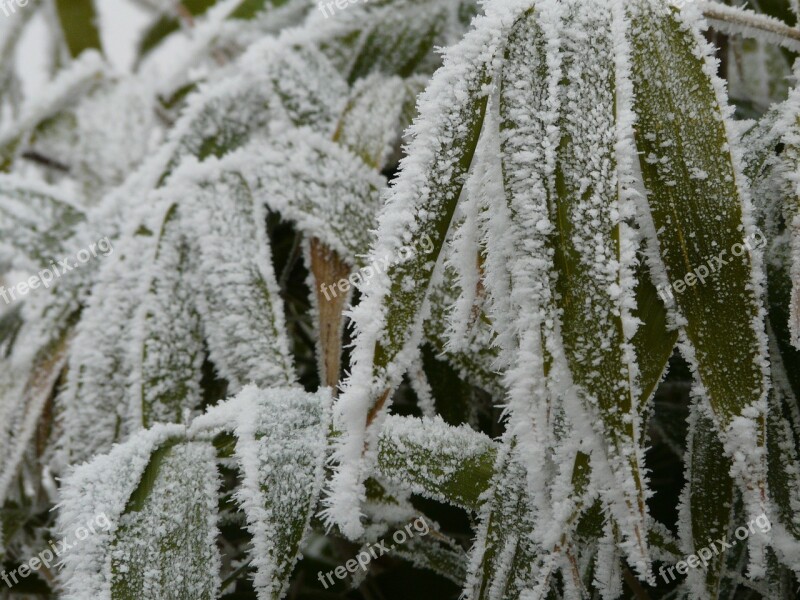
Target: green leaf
(281, 445)
(164, 545)
(154, 476)
(36, 220)
(707, 502)
(400, 40)
(377, 112)
(593, 297)
(290, 83)
(239, 298)
(429, 457)
(474, 363)
(172, 349)
(421, 207)
(79, 79)
(696, 206)
(79, 24)
(654, 340)
(327, 191)
(249, 9)
(504, 561)
(21, 414)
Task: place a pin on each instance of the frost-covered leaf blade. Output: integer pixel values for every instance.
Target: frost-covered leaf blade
(172, 348)
(421, 205)
(278, 81)
(36, 220)
(504, 559)
(449, 464)
(104, 486)
(164, 545)
(697, 215)
(326, 190)
(376, 114)
(595, 251)
(281, 442)
(71, 84)
(707, 502)
(239, 299)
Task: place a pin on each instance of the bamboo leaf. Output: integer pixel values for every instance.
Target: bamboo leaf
(287, 82)
(707, 503)
(19, 426)
(504, 561)
(36, 220)
(280, 448)
(699, 212)
(239, 300)
(377, 112)
(164, 545)
(76, 81)
(594, 251)
(446, 463)
(99, 492)
(79, 25)
(421, 206)
(172, 349)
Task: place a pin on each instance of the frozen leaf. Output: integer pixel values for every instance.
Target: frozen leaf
(172, 349)
(422, 203)
(429, 457)
(693, 222)
(164, 544)
(239, 301)
(79, 25)
(70, 85)
(36, 220)
(281, 441)
(706, 510)
(504, 559)
(103, 488)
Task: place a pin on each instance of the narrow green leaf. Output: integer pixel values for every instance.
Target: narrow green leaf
(79, 79)
(79, 25)
(696, 205)
(281, 446)
(594, 254)
(442, 462)
(653, 340)
(707, 502)
(239, 298)
(397, 40)
(172, 349)
(280, 82)
(36, 220)
(164, 545)
(504, 561)
(698, 215)
(375, 117)
(420, 208)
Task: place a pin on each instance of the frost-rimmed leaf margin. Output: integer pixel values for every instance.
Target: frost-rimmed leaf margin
(281, 443)
(389, 319)
(690, 162)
